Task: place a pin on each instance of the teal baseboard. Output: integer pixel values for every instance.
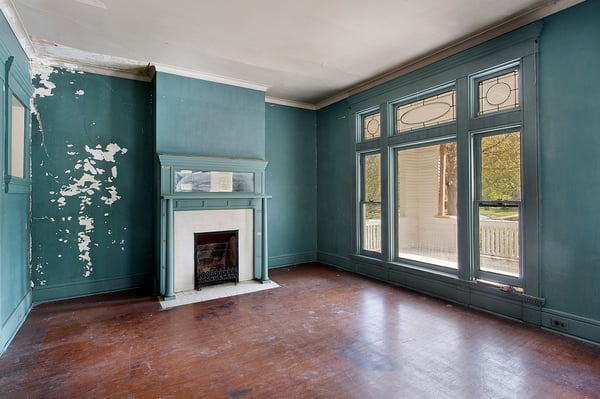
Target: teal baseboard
(14, 322)
(292, 259)
(525, 308)
(48, 293)
(570, 324)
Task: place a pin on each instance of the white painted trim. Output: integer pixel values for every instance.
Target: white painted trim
(290, 103)
(510, 24)
(209, 77)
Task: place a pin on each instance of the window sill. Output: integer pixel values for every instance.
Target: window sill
(16, 185)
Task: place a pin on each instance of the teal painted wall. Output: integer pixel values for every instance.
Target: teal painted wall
(197, 117)
(15, 293)
(569, 169)
(92, 155)
(570, 172)
(336, 160)
(292, 181)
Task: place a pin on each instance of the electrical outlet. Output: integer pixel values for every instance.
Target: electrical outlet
(562, 324)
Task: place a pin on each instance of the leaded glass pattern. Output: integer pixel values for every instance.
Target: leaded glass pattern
(371, 126)
(429, 111)
(499, 93)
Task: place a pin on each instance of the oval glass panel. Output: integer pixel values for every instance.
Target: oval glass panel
(425, 113)
(498, 93)
(371, 126)
(430, 111)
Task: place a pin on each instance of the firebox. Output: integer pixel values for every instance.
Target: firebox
(216, 258)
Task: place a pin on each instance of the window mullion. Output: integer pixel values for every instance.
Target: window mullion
(386, 180)
(464, 177)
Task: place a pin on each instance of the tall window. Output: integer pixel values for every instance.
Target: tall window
(426, 204)
(451, 169)
(370, 206)
(498, 203)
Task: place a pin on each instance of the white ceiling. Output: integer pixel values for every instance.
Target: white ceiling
(306, 51)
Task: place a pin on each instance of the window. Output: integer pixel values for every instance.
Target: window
(429, 111)
(446, 187)
(371, 126)
(498, 203)
(370, 204)
(426, 176)
(498, 93)
(17, 153)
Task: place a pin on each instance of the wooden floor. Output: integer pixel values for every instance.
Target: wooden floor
(323, 334)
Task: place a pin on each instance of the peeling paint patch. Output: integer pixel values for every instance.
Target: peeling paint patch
(113, 196)
(43, 72)
(43, 89)
(79, 92)
(87, 185)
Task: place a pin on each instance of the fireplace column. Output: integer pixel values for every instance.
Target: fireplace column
(169, 273)
(265, 252)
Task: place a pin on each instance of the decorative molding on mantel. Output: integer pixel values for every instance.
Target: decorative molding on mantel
(221, 163)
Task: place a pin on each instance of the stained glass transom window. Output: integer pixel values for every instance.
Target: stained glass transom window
(499, 93)
(371, 126)
(426, 112)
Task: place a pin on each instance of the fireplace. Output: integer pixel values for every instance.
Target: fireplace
(216, 258)
(214, 195)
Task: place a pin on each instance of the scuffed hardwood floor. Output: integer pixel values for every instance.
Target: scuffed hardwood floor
(323, 334)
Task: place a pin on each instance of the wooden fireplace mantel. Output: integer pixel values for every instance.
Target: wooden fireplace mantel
(172, 200)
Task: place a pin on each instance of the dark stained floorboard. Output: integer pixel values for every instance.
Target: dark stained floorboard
(323, 334)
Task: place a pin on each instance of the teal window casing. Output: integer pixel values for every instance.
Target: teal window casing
(17, 91)
(513, 55)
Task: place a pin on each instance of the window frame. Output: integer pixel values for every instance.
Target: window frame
(422, 96)
(396, 258)
(16, 184)
(479, 274)
(462, 71)
(362, 201)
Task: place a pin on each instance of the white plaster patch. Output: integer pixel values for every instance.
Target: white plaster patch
(79, 92)
(113, 196)
(108, 154)
(86, 183)
(42, 69)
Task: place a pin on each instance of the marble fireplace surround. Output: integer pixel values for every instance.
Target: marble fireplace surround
(184, 213)
(187, 223)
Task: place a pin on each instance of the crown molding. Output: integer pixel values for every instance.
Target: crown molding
(47, 53)
(17, 26)
(515, 22)
(290, 103)
(209, 77)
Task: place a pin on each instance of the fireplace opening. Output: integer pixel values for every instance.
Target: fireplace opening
(216, 258)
